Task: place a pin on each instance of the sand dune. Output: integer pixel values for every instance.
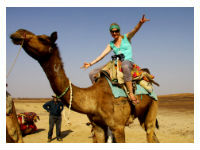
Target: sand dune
(175, 116)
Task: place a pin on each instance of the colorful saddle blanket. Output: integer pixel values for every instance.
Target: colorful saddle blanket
(29, 116)
(119, 92)
(26, 120)
(115, 74)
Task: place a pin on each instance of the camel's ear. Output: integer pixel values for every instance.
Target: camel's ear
(53, 37)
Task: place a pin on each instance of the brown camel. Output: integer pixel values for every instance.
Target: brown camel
(97, 101)
(13, 132)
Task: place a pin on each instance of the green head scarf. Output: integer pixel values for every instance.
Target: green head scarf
(114, 27)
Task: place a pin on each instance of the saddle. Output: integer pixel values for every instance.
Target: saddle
(27, 120)
(29, 117)
(113, 71)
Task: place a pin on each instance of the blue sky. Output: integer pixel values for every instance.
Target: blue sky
(165, 44)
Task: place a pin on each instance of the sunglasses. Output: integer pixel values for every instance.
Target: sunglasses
(115, 31)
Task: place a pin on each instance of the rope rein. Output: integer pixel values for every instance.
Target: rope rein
(68, 123)
(14, 62)
(70, 104)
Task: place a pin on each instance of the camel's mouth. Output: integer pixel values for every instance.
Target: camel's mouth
(16, 38)
(20, 35)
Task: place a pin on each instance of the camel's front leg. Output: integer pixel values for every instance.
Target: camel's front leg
(99, 130)
(119, 135)
(99, 134)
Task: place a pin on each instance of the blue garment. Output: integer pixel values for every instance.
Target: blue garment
(140, 90)
(125, 48)
(118, 92)
(55, 108)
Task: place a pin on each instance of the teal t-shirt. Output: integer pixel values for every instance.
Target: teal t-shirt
(125, 48)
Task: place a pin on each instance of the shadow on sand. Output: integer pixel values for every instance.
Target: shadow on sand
(39, 130)
(64, 134)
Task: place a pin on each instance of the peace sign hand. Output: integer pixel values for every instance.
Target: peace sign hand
(143, 20)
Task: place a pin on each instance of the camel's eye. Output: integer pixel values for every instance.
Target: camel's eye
(45, 41)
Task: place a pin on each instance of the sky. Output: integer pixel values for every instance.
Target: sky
(165, 44)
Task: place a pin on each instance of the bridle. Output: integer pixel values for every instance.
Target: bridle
(70, 102)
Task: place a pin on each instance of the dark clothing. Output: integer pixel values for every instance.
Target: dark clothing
(55, 108)
(54, 120)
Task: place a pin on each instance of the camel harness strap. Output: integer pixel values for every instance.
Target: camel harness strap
(70, 102)
(63, 93)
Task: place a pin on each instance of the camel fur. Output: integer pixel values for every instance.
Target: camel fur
(13, 132)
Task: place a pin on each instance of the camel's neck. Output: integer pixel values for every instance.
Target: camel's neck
(55, 73)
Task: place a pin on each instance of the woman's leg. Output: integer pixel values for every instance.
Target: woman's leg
(93, 73)
(127, 67)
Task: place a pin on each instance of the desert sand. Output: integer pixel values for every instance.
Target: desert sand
(175, 117)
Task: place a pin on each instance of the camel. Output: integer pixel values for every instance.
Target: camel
(96, 101)
(13, 132)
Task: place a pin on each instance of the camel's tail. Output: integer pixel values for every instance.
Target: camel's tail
(157, 125)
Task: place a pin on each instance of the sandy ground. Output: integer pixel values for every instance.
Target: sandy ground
(175, 116)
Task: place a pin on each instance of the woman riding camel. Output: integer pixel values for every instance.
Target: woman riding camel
(120, 45)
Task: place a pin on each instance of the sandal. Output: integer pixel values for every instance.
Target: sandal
(133, 99)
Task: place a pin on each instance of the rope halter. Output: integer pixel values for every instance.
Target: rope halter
(70, 102)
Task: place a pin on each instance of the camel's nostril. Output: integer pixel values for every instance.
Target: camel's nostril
(16, 39)
(11, 36)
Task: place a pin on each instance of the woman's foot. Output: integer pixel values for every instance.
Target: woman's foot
(133, 99)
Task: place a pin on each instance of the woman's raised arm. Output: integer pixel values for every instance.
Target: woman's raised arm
(137, 27)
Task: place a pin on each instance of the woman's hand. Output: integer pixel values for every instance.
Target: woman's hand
(86, 65)
(137, 27)
(143, 20)
(103, 54)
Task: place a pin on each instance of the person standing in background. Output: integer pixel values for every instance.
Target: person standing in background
(54, 107)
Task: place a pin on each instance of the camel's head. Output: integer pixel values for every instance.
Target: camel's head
(37, 46)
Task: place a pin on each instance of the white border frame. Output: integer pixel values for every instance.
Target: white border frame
(102, 3)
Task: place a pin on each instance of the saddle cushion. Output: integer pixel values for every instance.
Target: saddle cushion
(26, 121)
(28, 116)
(119, 92)
(115, 73)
